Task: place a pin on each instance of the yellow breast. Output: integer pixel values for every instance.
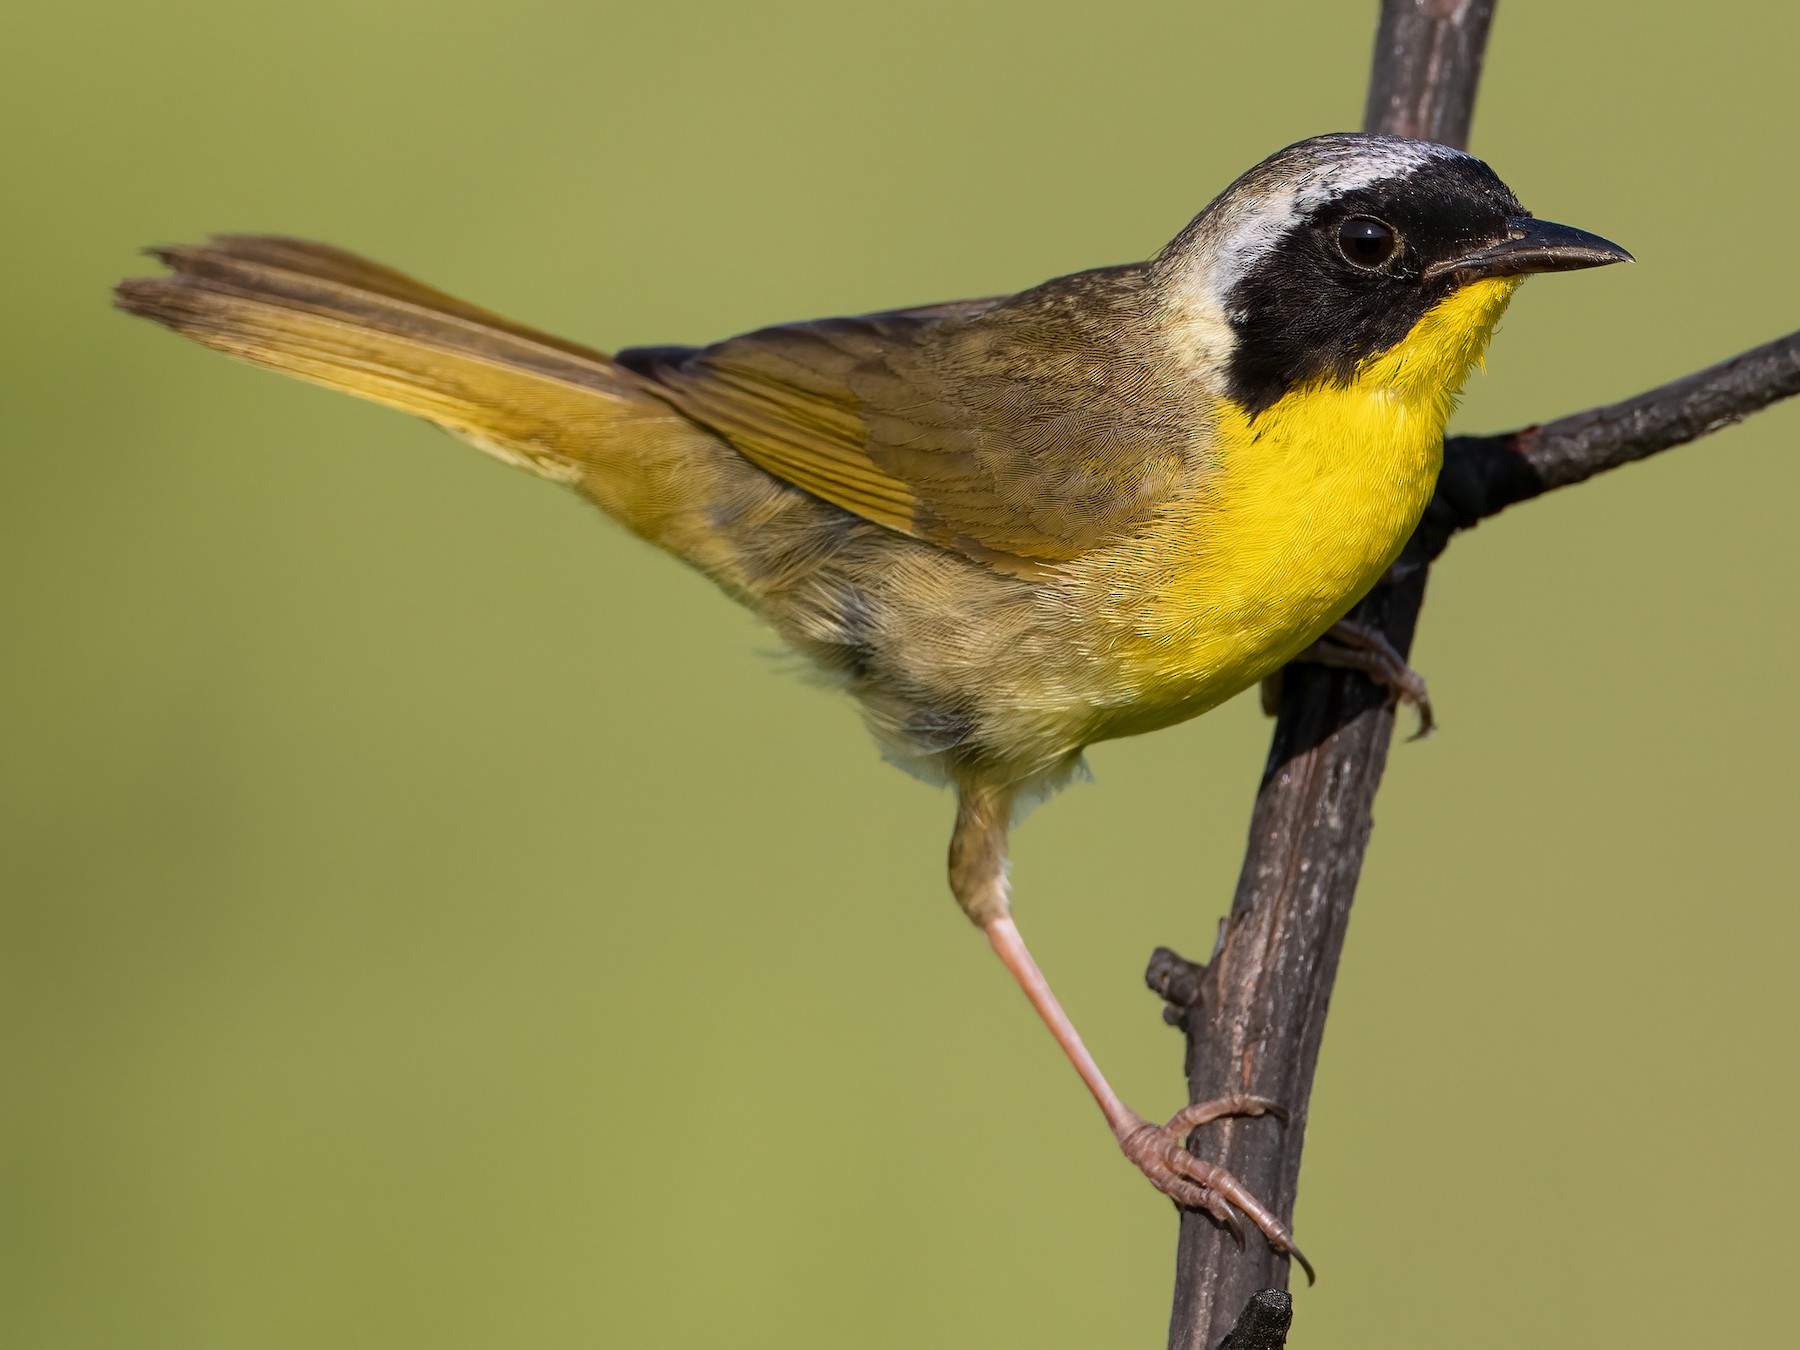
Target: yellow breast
(1307, 505)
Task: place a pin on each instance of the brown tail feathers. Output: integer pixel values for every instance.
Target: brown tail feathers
(328, 316)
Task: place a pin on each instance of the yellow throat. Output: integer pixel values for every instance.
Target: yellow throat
(1312, 500)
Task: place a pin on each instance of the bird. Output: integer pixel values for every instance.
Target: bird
(1008, 527)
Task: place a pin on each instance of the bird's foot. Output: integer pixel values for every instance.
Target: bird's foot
(1360, 647)
(1160, 1153)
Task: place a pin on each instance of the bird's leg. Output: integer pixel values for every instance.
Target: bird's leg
(1348, 645)
(978, 876)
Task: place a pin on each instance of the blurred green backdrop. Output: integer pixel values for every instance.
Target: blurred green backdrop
(431, 919)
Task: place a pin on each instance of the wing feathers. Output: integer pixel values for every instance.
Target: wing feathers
(1024, 432)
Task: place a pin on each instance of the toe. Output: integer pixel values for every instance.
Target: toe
(1191, 1118)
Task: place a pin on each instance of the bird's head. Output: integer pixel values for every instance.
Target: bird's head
(1342, 250)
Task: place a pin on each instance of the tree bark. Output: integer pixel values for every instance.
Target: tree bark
(1427, 64)
(1254, 1016)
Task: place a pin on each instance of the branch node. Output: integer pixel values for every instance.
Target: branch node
(1263, 1325)
(1177, 980)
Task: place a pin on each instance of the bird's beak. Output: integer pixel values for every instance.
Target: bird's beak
(1533, 246)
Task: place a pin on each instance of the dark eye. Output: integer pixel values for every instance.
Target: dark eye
(1367, 242)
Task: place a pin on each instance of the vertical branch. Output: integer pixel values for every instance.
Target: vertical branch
(1260, 1014)
(1427, 65)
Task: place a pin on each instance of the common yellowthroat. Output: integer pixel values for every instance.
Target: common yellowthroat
(1011, 527)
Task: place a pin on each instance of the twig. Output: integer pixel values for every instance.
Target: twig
(1483, 475)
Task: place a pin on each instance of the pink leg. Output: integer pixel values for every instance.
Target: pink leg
(1003, 936)
(1158, 1151)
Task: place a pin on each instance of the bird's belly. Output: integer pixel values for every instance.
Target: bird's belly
(1304, 514)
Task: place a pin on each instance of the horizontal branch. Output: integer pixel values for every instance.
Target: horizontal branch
(1483, 475)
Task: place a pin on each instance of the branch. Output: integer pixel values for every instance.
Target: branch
(1255, 1015)
(1483, 475)
(1427, 64)
(1262, 1001)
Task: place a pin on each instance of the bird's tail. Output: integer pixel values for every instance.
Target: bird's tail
(560, 410)
(328, 316)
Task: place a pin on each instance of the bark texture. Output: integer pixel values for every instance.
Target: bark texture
(1427, 63)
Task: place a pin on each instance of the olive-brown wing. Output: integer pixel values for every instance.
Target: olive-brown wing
(1025, 436)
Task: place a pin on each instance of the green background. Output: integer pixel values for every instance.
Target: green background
(433, 919)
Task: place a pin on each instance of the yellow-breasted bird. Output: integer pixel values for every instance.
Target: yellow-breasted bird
(1010, 527)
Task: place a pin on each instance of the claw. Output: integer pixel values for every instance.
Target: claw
(1349, 645)
(1160, 1154)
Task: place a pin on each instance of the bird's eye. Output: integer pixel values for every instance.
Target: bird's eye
(1367, 242)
